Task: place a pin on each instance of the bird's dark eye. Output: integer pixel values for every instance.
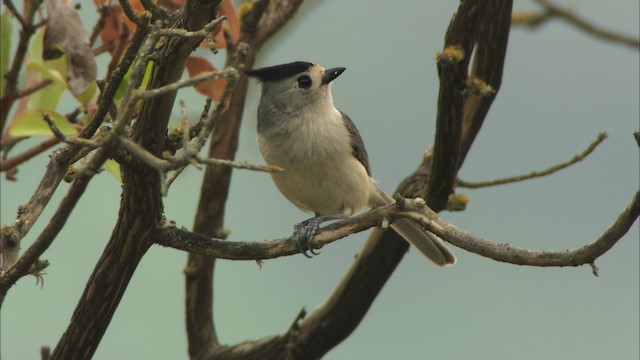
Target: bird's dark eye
(304, 82)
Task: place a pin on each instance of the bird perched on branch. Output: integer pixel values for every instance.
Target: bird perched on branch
(327, 169)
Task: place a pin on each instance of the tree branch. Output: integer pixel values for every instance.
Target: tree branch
(42, 243)
(141, 206)
(63, 157)
(210, 213)
(11, 84)
(586, 254)
(28, 154)
(414, 209)
(549, 11)
(487, 24)
(536, 174)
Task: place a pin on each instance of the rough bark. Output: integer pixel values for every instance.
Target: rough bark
(141, 208)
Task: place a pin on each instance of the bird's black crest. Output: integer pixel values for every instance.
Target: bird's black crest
(279, 72)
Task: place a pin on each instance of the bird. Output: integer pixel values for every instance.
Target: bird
(326, 166)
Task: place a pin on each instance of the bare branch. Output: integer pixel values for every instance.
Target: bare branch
(416, 210)
(209, 218)
(536, 174)
(30, 90)
(515, 255)
(198, 33)
(132, 14)
(550, 10)
(240, 165)
(239, 250)
(14, 11)
(11, 84)
(226, 73)
(26, 155)
(68, 203)
(69, 139)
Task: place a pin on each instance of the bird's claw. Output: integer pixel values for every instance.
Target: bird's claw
(303, 234)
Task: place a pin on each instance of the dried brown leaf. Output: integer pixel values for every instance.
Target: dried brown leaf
(65, 34)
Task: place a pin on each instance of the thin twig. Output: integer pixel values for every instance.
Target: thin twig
(100, 24)
(14, 11)
(57, 167)
(536, 174)
(30, 90)
(69, 139)
(57, 222)
(239, 165)
(177, 162)
(132, 14)
(229, 72)
(198, 33)
(195, 129)
(551, 10)
(26, 155)
(11, 76)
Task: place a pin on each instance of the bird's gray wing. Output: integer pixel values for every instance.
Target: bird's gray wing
(357, 145)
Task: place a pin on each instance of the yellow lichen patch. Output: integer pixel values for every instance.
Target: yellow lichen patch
(244, 9)
(450, 55)
(476, 86)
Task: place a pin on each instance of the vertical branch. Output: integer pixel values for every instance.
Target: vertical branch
(460, 37)
(263, 20)
(346, 307)
(488, 64)
(11, 84)
(141, 207)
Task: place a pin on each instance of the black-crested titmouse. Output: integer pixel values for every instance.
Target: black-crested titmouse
(326, 165)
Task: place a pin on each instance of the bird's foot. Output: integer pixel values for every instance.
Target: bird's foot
(303, 234)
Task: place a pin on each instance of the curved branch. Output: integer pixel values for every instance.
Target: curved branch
(536, 174)
(504, 252)
(182, 239)
(57, 222)
(551, 10)
(56, 169)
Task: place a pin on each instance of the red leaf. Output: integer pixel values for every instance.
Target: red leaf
(211, 88)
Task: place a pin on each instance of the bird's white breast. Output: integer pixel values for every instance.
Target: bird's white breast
(321, 174)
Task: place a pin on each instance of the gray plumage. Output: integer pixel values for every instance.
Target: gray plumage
(327, 169)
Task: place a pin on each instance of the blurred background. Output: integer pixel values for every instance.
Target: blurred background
(560, 88)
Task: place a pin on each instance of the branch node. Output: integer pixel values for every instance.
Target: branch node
(292, 334)
(594, 269)
(457, 202)
(385, 223)
(450, 55)
(475, 86)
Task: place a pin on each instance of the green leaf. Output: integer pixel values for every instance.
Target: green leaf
(47, 71)
(113, 168)
(31, 123)
(88, 94)
(5, 47)
(35, 48)
(125, 82)
(46, 98)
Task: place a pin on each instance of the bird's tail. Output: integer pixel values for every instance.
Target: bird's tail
(428, 243)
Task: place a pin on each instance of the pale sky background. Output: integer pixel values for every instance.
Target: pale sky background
(560, 88)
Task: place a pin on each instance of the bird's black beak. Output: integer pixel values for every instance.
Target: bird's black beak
(330, 74)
